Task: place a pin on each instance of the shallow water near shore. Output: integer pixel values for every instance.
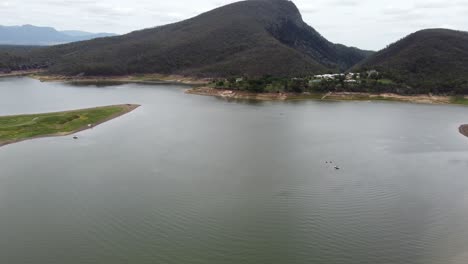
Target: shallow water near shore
(195, 179)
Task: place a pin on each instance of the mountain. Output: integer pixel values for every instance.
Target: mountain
(434, 60)
(33, 35)
(254, 37)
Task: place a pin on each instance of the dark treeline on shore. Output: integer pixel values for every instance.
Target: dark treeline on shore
(377, 83)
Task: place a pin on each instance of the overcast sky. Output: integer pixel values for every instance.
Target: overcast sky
(367, 24)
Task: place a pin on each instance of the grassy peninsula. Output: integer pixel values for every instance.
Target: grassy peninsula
(23, 127)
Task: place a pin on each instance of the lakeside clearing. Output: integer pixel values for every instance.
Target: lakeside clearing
(331, 96)
(18, 128)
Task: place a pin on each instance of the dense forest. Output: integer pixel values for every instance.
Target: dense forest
(14, 58)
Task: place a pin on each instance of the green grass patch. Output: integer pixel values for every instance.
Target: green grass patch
(312, 96)
(459, 100)
(383, 98)
(146, 78)
(385, 81)
(21, 127)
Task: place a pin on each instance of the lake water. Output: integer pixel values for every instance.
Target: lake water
(193, 179)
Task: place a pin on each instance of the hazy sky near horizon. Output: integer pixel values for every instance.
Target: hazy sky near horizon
(367, 24)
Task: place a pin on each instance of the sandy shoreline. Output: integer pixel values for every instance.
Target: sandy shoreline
(20, 73)
(464, 130)
(199, 87)
(332, 96)
(127, 108)
(141, 78)
(225, 93)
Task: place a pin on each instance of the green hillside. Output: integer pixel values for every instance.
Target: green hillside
(432, 60)
(12, 57)
(254, 38)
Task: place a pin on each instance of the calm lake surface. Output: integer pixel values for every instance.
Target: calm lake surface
(193, 179)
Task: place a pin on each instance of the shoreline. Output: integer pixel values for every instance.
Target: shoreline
(127, 108)
(20, 73)
(464, 130)
(331, 96)
(138, 78)
(199, 87)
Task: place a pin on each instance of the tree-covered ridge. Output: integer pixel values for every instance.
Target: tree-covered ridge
(433, 60)
(15, 57)
(254, 37)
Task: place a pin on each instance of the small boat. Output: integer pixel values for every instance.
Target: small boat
(337, 168)
(75, 137)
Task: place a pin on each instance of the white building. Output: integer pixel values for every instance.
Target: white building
(328, 76)
(352, 75)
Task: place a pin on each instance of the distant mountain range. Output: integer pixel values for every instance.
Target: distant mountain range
(44, 36)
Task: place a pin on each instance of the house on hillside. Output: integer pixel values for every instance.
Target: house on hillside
(328, 76)
(352, 76)
(372, 73)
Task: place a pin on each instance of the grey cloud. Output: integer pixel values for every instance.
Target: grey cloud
(430, 5)
(5, 4)
(396, 10)
(309, 10)
(437, 4)
(68, 2)
(346, 3)
(109, 11)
